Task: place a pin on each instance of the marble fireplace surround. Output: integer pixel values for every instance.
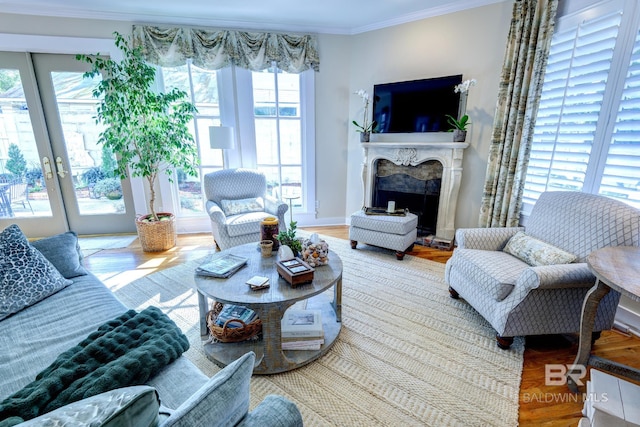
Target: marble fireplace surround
(409, 154)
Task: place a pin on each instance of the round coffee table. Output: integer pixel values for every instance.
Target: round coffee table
(270, 305)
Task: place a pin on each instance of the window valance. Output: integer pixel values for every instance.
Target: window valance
(215, 49)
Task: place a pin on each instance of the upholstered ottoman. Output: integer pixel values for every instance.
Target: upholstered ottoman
(386, 231)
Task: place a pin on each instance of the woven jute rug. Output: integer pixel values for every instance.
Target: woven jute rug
(407, 355)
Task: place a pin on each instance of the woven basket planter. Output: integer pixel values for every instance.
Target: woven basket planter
(157, 236)
(227, 334)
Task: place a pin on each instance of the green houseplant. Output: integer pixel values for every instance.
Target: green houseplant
(458, 127)
(288, 238)
(147, 129)
(365, 128)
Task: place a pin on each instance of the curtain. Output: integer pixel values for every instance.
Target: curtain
(215, 49)
(521, 82)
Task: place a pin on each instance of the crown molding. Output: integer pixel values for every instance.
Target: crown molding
(456, 6)
(201, 21)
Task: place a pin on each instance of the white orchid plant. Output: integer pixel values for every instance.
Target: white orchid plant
(365, 126)
(463, 122)
(464, 86)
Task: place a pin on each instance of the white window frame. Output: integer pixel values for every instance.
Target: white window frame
(236, 110)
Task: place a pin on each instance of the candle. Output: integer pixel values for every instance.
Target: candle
(391, 207)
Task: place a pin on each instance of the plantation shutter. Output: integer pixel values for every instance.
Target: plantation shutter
(621, 176)
(571, 102)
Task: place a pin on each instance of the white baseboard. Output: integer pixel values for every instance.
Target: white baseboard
(627, 321)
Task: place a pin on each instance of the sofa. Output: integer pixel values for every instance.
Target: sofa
(532, 280)
(67, 304)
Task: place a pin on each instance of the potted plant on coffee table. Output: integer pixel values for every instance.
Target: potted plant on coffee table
(147, 129)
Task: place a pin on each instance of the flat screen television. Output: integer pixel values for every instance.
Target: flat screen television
(416, 105)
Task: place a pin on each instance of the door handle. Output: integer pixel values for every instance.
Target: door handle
(48, 173)
(60, 167)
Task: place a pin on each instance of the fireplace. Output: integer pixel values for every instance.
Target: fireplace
(416, 188)
(424, 175)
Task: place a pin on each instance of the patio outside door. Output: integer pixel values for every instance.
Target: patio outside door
(53, 175)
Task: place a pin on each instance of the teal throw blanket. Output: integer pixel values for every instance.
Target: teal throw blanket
(125, 351)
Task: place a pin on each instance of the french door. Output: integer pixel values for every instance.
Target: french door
(54, 176)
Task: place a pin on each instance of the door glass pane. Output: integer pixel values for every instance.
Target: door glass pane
(91, 166)
(22, 186)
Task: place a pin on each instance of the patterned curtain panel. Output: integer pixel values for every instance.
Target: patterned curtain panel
(215, 49)
(518, 99)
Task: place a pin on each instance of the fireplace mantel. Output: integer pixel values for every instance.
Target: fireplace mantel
(412, 154)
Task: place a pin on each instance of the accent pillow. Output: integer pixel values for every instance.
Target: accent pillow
(536, 252)
(26, 276)
(128, 406)
(222, 401)
(63, 252)
(240, 206)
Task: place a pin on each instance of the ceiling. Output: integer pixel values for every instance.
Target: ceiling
(324, 16)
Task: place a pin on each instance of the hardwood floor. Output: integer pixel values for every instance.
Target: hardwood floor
(540, 405)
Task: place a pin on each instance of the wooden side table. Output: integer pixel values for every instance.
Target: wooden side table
(616, 268)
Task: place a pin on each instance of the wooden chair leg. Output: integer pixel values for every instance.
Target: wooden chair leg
(504, 342)
(453, 293)
(354, 243)
(399, 255)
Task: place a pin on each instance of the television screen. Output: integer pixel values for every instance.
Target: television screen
(416, 105)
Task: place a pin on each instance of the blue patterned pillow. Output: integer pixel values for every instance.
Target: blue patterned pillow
(128, 406)
(240, 206)
(536, 252)
(26, 276)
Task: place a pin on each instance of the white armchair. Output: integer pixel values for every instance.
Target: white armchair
(520, 299)
(237, 201)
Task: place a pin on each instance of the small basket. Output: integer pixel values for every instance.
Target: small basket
(225, 334)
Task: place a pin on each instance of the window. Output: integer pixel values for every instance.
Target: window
(202, 87)
(587, 132)
(278, 131)
(272, 116)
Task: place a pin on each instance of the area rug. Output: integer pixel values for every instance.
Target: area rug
(407, 355)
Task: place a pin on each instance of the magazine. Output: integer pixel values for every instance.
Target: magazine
(231, 311)
(222, 266)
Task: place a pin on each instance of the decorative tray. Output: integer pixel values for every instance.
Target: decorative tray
(383, 211)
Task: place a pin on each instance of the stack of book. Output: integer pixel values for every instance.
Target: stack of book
(231, 311)
(258, 282)
(302, 330)
(222, 266)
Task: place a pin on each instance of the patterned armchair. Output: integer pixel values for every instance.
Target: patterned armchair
(518, 298)
(237, 201)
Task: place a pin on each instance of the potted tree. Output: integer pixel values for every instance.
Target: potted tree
(147, 129)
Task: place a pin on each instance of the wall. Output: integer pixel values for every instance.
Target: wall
(470, 43)
(39, 25)
(332, 111)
